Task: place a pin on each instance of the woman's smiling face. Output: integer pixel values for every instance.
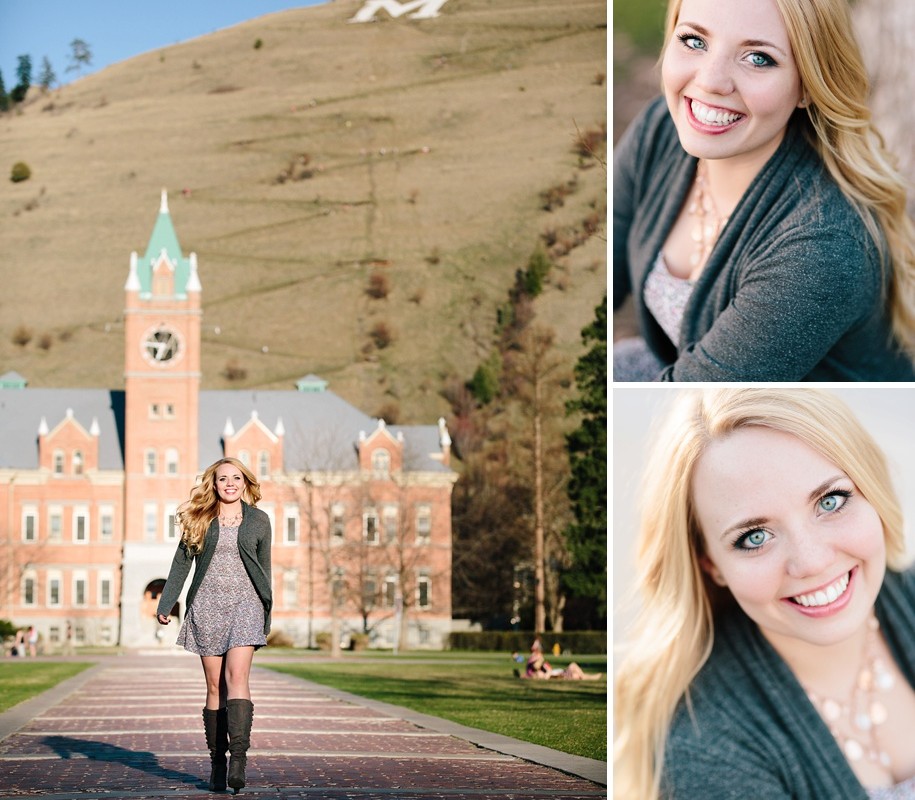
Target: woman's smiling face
(230, 483)
(790, 535)
(730, 79)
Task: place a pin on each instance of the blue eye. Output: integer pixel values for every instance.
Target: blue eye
(761, 60)
(752, 540)
(691, 42)
(833, 502)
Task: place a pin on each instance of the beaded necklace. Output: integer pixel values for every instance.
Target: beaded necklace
(854, 722)
(707, 223)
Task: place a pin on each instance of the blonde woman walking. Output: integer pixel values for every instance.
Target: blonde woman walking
(228, 605)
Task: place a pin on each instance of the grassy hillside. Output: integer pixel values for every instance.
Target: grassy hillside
(297, 170)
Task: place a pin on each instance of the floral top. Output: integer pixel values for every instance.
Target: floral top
(666, 297)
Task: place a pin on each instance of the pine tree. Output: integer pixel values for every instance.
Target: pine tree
(586, 538)
(24, 74)
(46, 78)
(4, 97)
(80, 56)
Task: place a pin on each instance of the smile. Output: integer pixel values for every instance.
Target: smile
(710, 120)
(713, 116)
(823, 597)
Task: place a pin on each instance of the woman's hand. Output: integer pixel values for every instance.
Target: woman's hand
(163, 620)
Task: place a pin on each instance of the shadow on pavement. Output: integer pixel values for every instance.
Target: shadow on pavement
(67, 746)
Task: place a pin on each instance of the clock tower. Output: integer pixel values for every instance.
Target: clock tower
(162, 388)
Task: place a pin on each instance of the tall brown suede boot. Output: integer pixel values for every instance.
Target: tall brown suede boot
(215, 725)
(240, 715)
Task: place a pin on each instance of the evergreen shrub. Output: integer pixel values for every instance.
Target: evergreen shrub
(20, 172)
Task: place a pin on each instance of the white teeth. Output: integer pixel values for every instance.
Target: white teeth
(824, 596)
(712, 116)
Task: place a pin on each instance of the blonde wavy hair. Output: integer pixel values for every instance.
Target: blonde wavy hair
(674, 627)
(840, 128)
(194, 516)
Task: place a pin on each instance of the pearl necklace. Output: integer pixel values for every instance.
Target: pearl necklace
(707, 222)
(864, 711)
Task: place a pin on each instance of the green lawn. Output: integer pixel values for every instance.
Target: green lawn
(20, 680)
(478, 689)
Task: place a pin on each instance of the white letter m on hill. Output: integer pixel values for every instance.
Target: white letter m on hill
(427, 9)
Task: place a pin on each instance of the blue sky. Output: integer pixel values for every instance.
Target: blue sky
(114, 29)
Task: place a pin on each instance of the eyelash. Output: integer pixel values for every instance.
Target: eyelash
(739, 541)
(685, 37)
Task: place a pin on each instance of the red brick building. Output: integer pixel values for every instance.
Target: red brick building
(90, 480)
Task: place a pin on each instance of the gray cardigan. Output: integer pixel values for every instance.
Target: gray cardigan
(793, 289)
(253, 547)
(754, 734)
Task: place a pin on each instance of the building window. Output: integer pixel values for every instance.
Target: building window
(58, 462)
(171, 461)
(154, 411)
(389, 521)
(28, 590)
(370, 526)
(390, 591)
(245, 457)
(381, 462)
(79, 590)
(104, 590)
(170, 522)
(291, 524)
(423, 591)
(80, 525)
(337, 521)
(423, 523)
(150, 521)
(54, 589)
(29, 524)
(54, 634)
(339, 587)
(55, 523)
(369, 591)
(263, 464)
(107, 637)
(290, 588)
(149, 462)
(169, 410)
(106, 523)
(79, 634)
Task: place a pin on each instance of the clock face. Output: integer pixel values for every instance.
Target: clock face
(160, 346)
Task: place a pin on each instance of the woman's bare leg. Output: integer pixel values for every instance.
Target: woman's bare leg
(214, 670)
(237, 671)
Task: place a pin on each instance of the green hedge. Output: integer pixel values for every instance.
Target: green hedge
(582, 642)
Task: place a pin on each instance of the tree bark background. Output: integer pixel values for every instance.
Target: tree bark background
(886, 30)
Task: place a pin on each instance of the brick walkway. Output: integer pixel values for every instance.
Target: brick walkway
(130, 727)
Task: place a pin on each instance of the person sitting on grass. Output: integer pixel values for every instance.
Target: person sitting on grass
(538, 668)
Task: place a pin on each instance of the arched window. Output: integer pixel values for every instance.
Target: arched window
(58, 462)
(263, 464)
(381, 461)
(77, 462)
